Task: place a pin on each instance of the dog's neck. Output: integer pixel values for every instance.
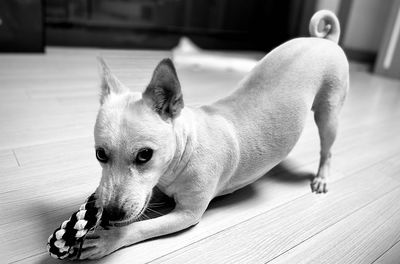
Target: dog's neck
(185, 137)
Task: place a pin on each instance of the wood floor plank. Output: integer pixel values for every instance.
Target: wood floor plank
(46, 130)
(8, 159)
(20, 178)
(272, 233)
(370, 141)
(70, 153)
(391, 256)
(360, 238)
(24, 201)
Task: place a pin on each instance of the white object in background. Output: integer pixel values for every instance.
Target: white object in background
(388, 60)
(392, 42)
(186, 53)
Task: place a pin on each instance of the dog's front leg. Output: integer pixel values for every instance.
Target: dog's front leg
(175, 221)
(104, 242)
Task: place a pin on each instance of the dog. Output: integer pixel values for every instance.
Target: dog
(150, 139)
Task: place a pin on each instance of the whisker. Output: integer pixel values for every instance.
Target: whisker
(154, 211)
(158, 203)
(145, 216)
(155, 206)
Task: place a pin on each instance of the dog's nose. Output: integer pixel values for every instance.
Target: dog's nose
(114, 213)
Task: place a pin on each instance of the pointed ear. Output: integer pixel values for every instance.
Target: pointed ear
(163, 94)
(109, 82)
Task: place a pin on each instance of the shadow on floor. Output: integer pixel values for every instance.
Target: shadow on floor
(286, 172)
(283, 172)
(52, 215)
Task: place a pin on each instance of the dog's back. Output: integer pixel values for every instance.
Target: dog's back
(269, 108)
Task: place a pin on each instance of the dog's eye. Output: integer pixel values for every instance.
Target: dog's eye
(101, 155)
(144, 155)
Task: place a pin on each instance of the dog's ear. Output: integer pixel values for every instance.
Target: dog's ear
(164, 94)
(109, 82)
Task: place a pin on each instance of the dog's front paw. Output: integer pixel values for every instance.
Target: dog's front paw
(319, 185)
(101, 243)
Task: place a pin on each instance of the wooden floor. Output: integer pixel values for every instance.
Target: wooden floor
(48, 106)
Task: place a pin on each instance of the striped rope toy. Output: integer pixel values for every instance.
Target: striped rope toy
(66, 241)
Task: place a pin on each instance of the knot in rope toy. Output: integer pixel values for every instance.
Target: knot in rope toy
(65, 240)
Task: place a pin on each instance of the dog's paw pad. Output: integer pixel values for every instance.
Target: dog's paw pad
(319, 185)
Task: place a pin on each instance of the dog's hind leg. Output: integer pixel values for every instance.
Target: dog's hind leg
(327, 127)
(326, 110)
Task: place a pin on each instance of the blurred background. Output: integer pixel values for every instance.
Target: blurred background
(260, 25)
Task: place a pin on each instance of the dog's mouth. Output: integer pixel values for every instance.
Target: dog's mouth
(131, 218)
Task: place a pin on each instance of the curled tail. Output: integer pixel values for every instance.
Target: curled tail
(331, 27)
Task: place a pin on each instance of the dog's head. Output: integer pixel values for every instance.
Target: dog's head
(134, 139)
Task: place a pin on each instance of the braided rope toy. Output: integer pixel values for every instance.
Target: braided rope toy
(65, 240)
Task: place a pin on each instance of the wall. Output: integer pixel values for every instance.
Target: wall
(366, 24)
(332, 5)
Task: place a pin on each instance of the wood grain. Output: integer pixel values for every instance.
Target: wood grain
(8, 159)
(391, 256)
(272, 233)
(371, 231)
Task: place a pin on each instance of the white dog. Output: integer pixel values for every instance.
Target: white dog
(195, 154)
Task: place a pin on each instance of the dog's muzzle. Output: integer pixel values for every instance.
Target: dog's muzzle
(118, 217)
(114, 213)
